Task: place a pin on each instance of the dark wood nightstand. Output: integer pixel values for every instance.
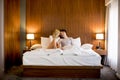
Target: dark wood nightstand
(26, 50)
(103, 54)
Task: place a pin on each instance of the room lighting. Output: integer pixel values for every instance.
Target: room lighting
(30, 37)
(99, 36)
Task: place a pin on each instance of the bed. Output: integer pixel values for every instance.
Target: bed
(76, 62)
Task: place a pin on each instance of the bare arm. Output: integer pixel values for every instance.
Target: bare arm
(58, 43)
(52, 45)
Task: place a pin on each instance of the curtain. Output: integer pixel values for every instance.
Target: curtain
(106, 32)
(112, 26)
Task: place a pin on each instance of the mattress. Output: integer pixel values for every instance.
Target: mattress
(57, 57)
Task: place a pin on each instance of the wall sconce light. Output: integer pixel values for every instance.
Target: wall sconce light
(99, 36)
(30, 37)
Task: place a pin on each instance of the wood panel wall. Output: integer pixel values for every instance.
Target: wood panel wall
(81, 18)
(11, 32)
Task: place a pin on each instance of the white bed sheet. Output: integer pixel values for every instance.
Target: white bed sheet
(57, 57)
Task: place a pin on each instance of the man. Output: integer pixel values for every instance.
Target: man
(65, 42)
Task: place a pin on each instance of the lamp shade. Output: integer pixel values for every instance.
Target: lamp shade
(99, 36)
(30, 36)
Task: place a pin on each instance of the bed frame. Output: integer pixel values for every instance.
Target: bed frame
(62, 71)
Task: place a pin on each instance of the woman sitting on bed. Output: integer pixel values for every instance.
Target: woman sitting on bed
(64, 42)
(55, 38)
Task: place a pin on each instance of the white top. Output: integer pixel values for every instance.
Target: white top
(66, 42)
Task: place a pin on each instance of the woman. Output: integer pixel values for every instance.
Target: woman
(55, 38)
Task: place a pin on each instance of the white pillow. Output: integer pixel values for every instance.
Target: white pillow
(45, 41)
(36, 46)
(76, 42)
(87, 46)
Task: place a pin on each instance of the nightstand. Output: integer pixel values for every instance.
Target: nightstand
(103, 54)
(26, 50)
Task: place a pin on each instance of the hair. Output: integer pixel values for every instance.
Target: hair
(56, 33)
(63, 30)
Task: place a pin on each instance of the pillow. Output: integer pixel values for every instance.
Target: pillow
(45, 41)
(87, 46)
(36, 46)
(76, 42)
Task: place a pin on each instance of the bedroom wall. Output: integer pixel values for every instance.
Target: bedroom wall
(11, 32)
(81, 18)
(1, 36)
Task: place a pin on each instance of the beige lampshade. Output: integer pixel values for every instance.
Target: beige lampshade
(99, 36)
(30, 36)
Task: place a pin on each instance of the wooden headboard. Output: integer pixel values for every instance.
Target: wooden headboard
(81, 18)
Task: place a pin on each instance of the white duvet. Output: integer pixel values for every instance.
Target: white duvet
(75, 56)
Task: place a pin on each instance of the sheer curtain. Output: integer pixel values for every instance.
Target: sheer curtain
(112, 27)
(106, 31)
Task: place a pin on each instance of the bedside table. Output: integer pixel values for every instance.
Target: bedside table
(103, 54)
(26, 50)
